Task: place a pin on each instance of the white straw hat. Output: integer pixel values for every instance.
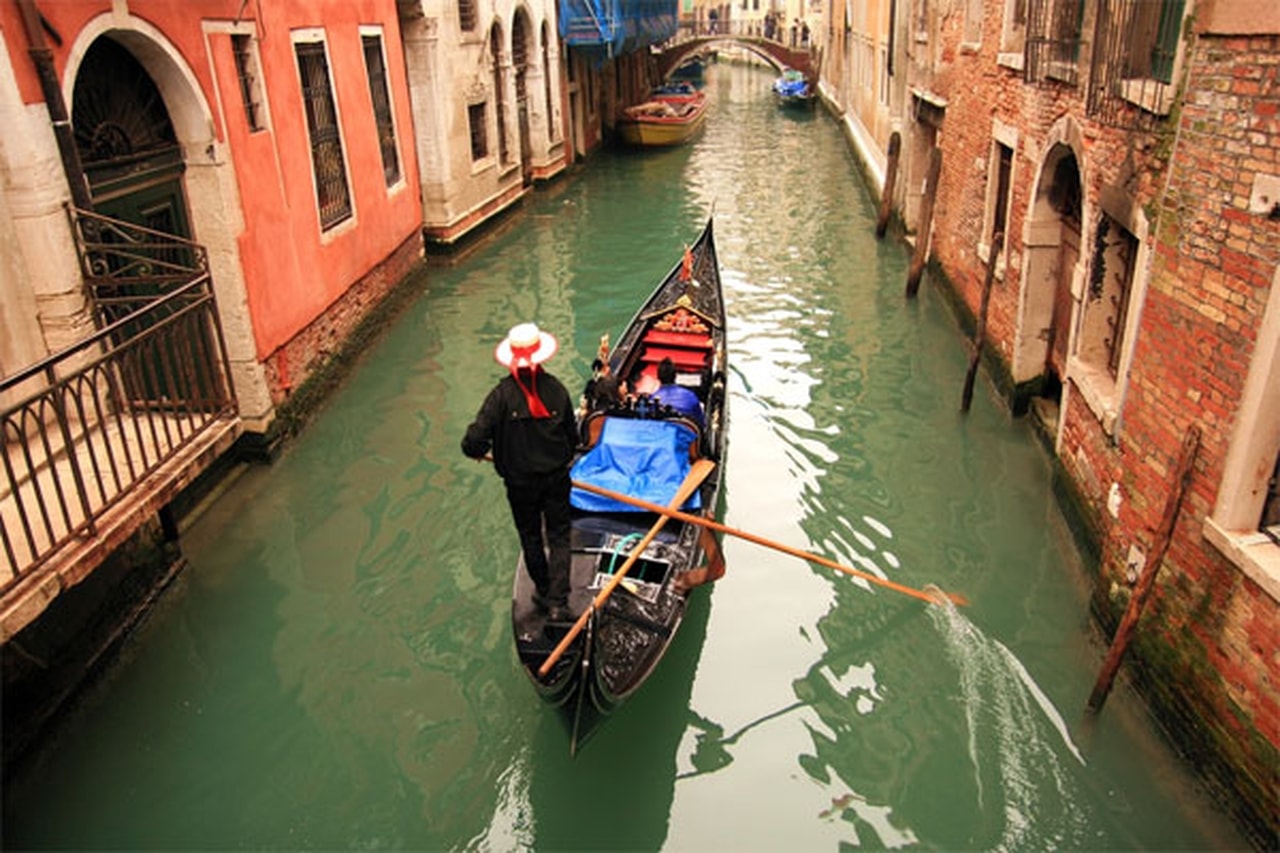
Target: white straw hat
(525, 346)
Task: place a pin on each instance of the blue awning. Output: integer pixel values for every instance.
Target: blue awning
(640, 458)
(607, 28)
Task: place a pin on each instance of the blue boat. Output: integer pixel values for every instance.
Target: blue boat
(793, 89)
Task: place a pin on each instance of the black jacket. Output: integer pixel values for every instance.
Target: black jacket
(524, 447)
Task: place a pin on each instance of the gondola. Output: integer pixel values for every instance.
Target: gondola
(636, 447)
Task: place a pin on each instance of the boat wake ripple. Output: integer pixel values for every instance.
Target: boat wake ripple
(1010, 717)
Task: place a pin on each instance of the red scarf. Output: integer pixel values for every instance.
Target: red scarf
(536, 407)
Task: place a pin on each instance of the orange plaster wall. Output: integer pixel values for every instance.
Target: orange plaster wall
(290, 274)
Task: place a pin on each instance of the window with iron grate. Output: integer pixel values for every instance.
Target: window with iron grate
(1052, 48)
(332, 192)
(467, 15)
(1134, 59)
(375, 65)
(247, 70)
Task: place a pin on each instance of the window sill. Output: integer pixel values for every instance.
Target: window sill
(1154, 96)
(1063, 72)
(1098, 388)
(1015, 61)
(1251, 552)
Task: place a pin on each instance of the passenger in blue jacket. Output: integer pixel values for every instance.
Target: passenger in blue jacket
(528, 422)
(683, 400)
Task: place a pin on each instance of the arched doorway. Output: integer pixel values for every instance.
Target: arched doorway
(1052, 259)
(521, 50)
(127, 142)
(134, 166)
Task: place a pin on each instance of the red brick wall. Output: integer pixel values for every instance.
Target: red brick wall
(1210, 280)
(1207, 648)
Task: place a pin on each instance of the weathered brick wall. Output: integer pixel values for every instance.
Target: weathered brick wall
(1211, 656)
(1206, 651)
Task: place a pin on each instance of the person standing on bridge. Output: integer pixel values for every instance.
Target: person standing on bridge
(528, 422)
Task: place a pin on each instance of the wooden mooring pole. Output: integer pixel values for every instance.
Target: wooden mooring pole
(890, 181)
(1142, 591)
(925, 226)
(980, 334)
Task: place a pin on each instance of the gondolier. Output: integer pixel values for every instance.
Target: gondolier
(528, 422)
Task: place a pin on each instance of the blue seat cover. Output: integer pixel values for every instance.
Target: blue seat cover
(646, 459)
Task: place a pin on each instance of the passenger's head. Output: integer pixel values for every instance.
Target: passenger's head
(607, 392)
(667, 371)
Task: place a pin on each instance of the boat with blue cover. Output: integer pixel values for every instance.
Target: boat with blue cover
(793, 89)
(636, 447)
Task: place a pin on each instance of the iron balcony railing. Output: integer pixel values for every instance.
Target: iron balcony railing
(86, 425)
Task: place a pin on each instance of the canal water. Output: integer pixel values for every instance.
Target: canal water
(335, 668)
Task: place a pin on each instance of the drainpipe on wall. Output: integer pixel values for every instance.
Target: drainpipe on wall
(42, 57)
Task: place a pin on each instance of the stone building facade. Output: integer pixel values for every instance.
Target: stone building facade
(488, 91)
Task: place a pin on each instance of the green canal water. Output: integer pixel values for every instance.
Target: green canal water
(335, 668)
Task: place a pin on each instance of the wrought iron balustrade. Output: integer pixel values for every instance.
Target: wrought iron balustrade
(87, 424)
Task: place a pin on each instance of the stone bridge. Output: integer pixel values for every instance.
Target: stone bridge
(775, 53)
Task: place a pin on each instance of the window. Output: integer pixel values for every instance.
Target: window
(547, 70)
(884, 76)
(374, 64)
(332, 193)
(1013, 36)
(973, 22)
(1053, 39)
(1106, 305)
(1247, 504)
(246, 56)
(1133, 64)
(499, 101)
(467, 15)
(1270, 523)
(479, 138)
(999, 185)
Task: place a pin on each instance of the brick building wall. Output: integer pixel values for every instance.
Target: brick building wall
(1210, 644)
(1206, 650)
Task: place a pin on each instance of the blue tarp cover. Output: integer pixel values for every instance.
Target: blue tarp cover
(606, 28)
(641, 458)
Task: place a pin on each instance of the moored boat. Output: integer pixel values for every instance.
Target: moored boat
(793, 89)
(663, 119)
(629, 604)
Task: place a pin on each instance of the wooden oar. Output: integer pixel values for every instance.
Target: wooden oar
(932, 598)
(697, 473)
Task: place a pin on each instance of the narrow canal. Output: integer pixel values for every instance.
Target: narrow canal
(335, 667)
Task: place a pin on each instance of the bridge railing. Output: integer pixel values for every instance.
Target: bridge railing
(781, 34)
